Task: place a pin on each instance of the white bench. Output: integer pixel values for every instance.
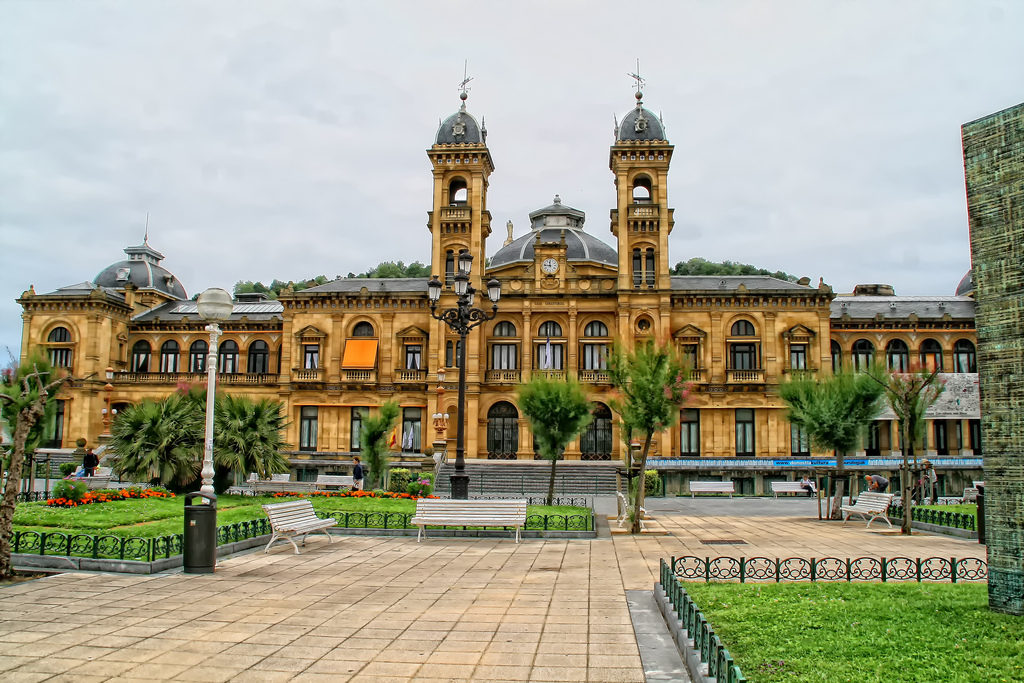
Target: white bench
(712, 487)
(280, 483)
(295, 518)
(445, 512)
(624, 507)
(870, 506)
(335, 481)
(789, 487)
(971, 494)
(100, 479)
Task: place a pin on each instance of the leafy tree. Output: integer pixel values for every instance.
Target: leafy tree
(394, 269)
(373, 440)
(247, 437)
(700, 266)
(558, 411)
(24, 396)
(160, 442)
(833, 411)
(277, 286)
(909, 394)
(652, 382)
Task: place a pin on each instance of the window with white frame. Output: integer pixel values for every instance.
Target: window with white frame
(689, 432)
(197, 356)
(745, 432)
(308, 417)
(140, 356)
(169, 355)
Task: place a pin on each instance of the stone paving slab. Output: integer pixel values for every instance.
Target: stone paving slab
(391, 609)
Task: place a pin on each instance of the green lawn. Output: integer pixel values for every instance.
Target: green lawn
(149, 517)
(864, 632)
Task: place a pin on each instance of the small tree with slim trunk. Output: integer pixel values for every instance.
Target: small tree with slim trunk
(652, 382)
(24, 396)
(909, 394)
(373, 440)
(558, 410)
(833, 411)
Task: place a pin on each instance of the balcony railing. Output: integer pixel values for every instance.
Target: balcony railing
(503, 376)
(643, 211)
(369, 376)
(307, 374)
(550, 374)
(456, 213)
(697, 375)
(193, 378)
(595, 376)
(410, 375)
(746, 375)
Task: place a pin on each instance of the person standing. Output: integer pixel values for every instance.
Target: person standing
(89, 462)
(358, 472)
(929, 483)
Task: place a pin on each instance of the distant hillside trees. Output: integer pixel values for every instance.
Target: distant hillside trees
(387, 269)
(700, 266)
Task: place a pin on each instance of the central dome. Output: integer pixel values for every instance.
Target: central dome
(549, 225)
(143, 270)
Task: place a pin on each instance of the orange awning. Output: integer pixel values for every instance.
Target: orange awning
(360, 354)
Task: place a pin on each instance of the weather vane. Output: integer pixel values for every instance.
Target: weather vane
(465, 77)
(640, 82)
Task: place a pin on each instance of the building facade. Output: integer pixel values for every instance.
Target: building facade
(334, 352)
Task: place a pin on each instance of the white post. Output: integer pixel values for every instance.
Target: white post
(211, 391)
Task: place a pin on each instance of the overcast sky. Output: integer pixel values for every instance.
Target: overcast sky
(286, 139)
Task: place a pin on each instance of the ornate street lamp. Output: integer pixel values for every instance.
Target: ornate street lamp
(214, 305)
(461, 319)
(108, 414)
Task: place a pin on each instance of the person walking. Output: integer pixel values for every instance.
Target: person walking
(358, 473)
(89, 463)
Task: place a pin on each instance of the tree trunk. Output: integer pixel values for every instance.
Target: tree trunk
(837, 498)
(23, 424)
(551, 480)
(641, 487)
(908, 451)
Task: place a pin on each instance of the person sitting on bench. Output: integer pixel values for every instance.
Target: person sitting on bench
(876, 483)
(807, 485)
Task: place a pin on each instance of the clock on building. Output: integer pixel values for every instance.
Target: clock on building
(549, 266)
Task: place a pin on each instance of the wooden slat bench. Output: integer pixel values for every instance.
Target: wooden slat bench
(788, 487)
(334, 481)
(99, 480)
(445, 512)
(971, 494)
(624, 515)
(712, 487)
(870, 506)
(295, 518)
(280, 483)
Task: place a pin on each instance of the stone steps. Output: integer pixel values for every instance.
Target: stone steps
(531, 478)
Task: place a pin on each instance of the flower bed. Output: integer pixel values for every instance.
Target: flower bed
(350, 494)
(107, 496)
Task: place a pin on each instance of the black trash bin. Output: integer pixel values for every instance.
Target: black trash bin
(200, 551)
(981, 514)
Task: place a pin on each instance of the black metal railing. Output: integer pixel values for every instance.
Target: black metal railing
(743, 569)
(957, 520)
(721, 666)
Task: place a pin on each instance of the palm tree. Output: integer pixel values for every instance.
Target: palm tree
(247, 437)
(833, 411)
(373, 439)
(652, 381)
(558, 411)
(159, 442)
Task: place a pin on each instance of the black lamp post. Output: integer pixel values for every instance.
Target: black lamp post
(462, 318)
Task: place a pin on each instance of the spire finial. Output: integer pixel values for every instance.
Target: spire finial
(145, 239)
(466, 78)
(640, 83)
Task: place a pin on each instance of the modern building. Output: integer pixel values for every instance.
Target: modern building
(333, 352)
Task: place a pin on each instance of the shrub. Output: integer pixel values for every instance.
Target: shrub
(70, 490)
(652, 482)
(42, 470)
(67, 468)
(399, 479)
(422, 486)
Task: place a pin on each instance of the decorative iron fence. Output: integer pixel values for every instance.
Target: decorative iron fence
(743, 569)
(957, 520)
(721, 666)
(401, 520)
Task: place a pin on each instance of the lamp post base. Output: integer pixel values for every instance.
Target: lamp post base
(460, 486)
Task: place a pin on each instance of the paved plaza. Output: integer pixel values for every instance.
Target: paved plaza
(375, 609)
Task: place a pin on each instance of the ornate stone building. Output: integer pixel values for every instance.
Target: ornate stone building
(332, 352)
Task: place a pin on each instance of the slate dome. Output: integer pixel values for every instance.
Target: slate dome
(461, 128)
(143, 270)
(549, 224)
(640, 124)
(966, 286)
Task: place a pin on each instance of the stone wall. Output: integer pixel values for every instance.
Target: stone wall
(994, 169)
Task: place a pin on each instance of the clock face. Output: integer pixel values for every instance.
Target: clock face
(549, 266)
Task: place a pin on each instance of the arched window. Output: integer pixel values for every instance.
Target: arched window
(504, 329)
(743, 355)
(931, 355)
(863, 354)
(549, 329)
(227, 357)
(502, 431)
(837, 356)
(964, 359)
(197, 356)
(742, 328)
(457, 192)
(550, 354)
(140, 356)
(60, 357)
(363, 329)
(169, 355)
(642, 190)
(897, 356)
(596, 439)
(258, 362)
(594, 354)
